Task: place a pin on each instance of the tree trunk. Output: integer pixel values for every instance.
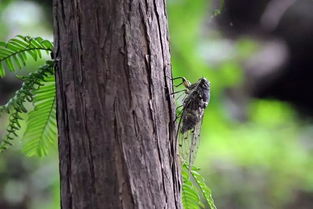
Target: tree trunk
(115, 113)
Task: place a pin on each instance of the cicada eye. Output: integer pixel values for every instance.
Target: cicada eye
(204, 83)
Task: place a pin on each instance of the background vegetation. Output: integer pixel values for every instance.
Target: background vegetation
(255, 151)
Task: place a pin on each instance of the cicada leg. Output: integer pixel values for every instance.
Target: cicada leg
(184, 81)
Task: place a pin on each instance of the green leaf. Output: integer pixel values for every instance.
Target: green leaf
(47, 44)
(191, 193)
(35, 43)
(23, 44)
(40, 86)
(17, 49)
(204, 188)
(41, 129)
(3, 44)
(2, 72)
(9, 64)
(17, 62)
(6, 51)
(22, 58)
(13, 47)
(33, 54)
(190, 196)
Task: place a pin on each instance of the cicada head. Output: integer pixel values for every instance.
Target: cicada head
(204, 83)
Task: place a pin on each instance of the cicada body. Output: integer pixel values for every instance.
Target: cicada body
(189, 126)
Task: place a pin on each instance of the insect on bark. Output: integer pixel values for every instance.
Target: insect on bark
(197, 96)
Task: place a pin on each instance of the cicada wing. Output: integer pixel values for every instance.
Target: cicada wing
(194, 142)
(183, 139)
(184, 145)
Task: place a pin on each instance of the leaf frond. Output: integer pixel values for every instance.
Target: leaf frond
(41, 128)
(16, 106)
(190, 196)
(192, 190)
(15, 52)
(205, 190)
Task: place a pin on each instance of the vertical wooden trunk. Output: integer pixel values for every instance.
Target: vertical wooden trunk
(115, 113)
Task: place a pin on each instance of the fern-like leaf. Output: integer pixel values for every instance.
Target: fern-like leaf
(190, 196)
(206, 191)
(17, 105)
(41, 123)
(192, 190)
(14, 52)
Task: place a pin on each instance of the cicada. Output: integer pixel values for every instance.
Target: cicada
(197, 97)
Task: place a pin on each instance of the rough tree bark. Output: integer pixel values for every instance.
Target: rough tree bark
(115, 113)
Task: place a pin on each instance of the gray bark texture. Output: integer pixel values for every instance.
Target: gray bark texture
(115, 113)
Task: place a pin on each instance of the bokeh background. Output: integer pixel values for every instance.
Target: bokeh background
(256, 148)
